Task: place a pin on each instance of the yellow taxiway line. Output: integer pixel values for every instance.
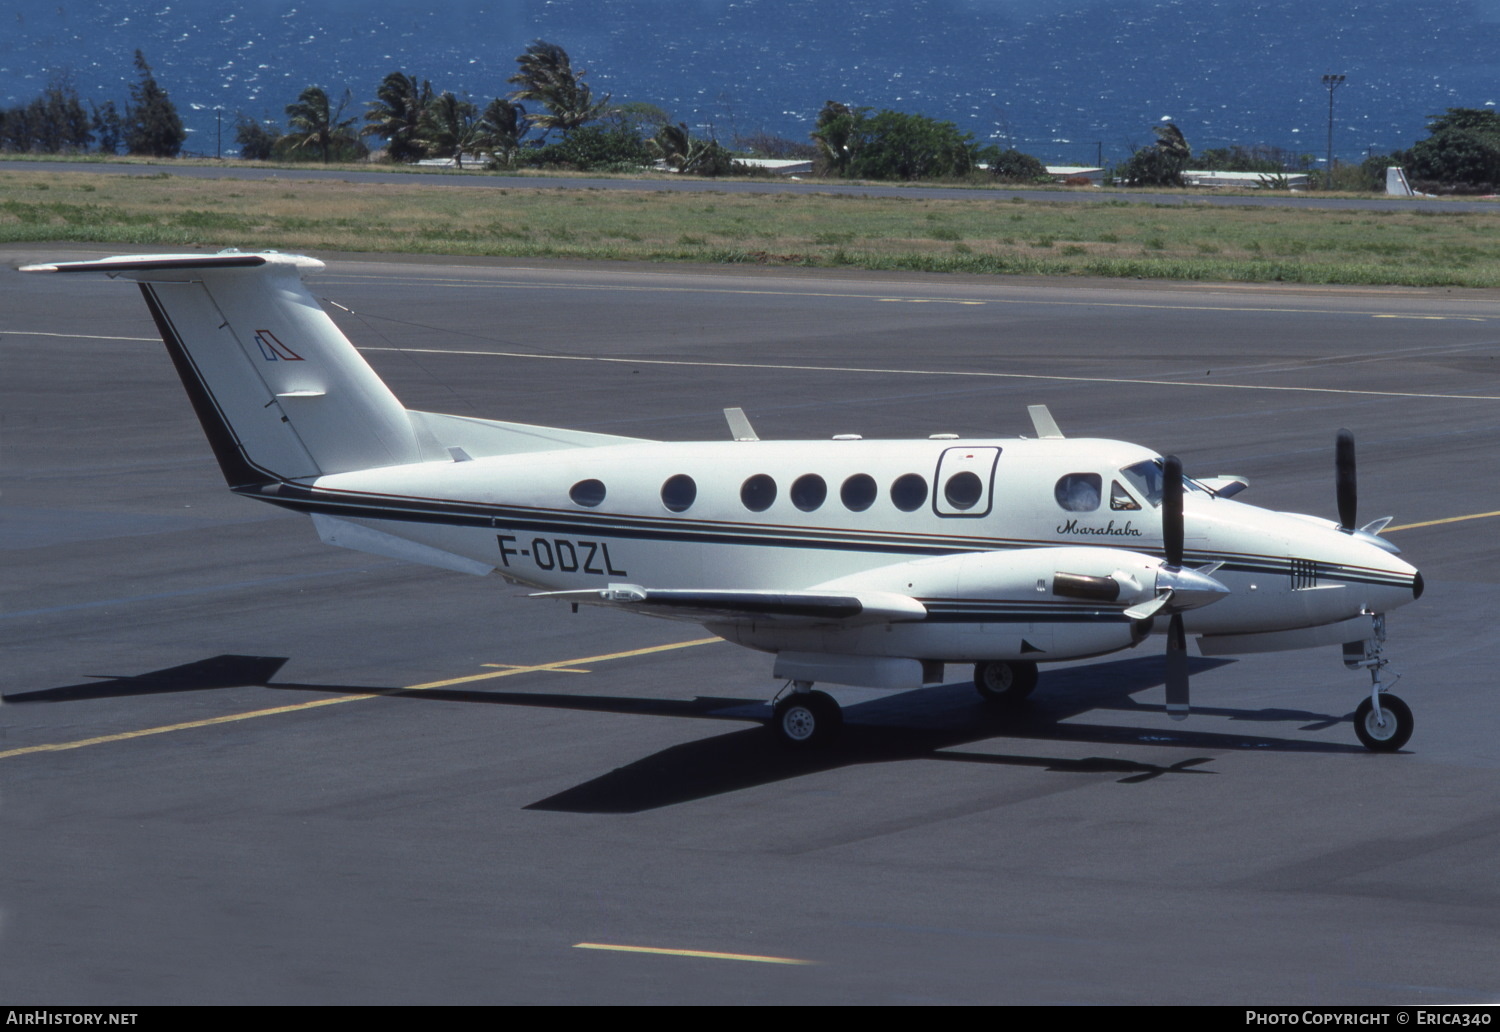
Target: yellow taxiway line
(560, 666)
(707, 954)
(1449, 519)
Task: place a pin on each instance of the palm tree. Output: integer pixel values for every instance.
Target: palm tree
(501, 129)
(448, 127)
(677, 147)
(315, 123)
(838, 136)
(546, 77)
(396, 115)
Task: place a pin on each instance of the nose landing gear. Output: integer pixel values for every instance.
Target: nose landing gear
(1382, 721)
(1386, 728)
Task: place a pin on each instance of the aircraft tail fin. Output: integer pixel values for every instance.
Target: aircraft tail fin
(282, 394)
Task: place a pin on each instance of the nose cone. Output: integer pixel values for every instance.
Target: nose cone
(1190, 588)
(1380, 580)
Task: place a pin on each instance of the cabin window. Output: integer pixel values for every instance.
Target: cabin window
(963, 490)
(758, 493)
(1079, 492)
(809, 492)
(1120, 500)
(858, 492)
(909, 492)
(587, 492)
(679, 492)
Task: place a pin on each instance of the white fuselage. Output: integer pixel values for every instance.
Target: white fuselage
(961, 551)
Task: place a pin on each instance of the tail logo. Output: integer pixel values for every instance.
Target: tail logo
(272, 350)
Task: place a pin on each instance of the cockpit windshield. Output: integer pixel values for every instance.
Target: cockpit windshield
(1147, 478)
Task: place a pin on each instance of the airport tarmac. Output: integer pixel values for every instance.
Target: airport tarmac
(238, 766)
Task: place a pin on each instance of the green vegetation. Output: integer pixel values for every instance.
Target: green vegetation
(891, 145)
(55, 122)
(318, 126)
(1161, 164)
(152, 126)
(545, 76)
(1461, 153)
(1011, 166)
(1186, 242)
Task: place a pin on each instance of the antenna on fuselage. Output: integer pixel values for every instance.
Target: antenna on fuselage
(739, 425)
(1046, 427)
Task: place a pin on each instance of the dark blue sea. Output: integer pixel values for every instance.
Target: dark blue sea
(1070, 81)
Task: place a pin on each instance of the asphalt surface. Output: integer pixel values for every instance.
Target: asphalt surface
(214, 790)
(471, 179)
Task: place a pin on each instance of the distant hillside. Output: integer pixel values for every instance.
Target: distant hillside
(1064, 80)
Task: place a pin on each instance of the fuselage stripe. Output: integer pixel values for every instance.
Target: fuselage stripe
(543, 521)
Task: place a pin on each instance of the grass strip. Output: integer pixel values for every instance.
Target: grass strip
(979, 235)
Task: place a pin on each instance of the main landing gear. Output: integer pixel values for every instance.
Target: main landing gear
(1004, 681)
(1382, 721)
(805, 719)
(802, 718)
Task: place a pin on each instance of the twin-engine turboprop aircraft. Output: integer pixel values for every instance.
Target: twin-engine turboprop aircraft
(854, 562)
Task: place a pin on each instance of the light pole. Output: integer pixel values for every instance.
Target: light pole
(1332, 82)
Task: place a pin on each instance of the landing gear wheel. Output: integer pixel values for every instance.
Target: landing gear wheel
(1390, 735)
(1007, 681)
(807, 720)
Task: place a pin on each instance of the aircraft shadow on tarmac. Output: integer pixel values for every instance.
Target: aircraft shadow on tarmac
(214, 672)
(927, 724)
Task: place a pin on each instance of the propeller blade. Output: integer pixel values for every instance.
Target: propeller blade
(1171, 510)
(1177, 669)
(1344, 479)
(1149, 608)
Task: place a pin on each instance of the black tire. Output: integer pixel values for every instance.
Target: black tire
(807, 720)
(1398, 724)
(1007, 681)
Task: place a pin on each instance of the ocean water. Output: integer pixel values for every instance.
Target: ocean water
(1071, 82)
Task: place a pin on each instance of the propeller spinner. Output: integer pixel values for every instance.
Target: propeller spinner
(1177, 589)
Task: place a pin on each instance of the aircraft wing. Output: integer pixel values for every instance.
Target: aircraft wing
(699, 605)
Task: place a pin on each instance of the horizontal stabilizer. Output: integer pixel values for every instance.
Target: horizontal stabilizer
(792, 607)
(281, 392)
(169, 263)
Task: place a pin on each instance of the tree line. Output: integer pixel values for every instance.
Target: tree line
(552, 118)
(56, 122)
(1461, 154)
